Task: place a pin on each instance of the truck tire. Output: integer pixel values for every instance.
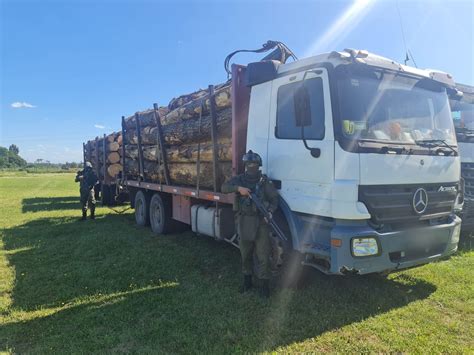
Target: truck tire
(142, 209)
(161, 216)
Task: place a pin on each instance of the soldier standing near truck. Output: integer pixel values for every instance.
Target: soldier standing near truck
(87, 180)
(251, 226)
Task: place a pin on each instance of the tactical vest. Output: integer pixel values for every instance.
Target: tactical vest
(244, 204)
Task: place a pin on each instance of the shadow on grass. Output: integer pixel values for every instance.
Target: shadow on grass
(109, 285)
(38, 204)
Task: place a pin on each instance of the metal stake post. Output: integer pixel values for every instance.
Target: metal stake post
(104, 169)
(96, 168)
(161, 143)
(123, 148)
(215, 162)
(140, 152)
(84, 154)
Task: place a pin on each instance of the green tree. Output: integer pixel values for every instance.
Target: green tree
(10, 159)
(14, 149)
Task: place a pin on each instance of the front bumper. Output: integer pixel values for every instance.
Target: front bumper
(397, 250)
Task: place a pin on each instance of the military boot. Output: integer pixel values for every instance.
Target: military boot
(264, 290)
(247, 284)
(93, 212)
(84, 215)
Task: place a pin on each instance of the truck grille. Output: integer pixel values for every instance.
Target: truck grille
(467, 172)
(393, 204)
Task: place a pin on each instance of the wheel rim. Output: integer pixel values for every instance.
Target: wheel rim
(156, 215)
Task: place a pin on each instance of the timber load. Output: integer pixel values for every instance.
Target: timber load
(175, 143)
(105, 155)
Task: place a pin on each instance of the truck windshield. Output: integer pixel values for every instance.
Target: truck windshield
(389, 107)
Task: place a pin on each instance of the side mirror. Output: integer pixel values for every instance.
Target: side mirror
(302, 106)
(454, 94)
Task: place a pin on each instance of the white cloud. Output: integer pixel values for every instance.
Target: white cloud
(99, 126)
(19, 104)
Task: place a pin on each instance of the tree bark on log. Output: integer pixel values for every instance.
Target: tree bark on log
(184, 153)
(199, 94)
(186, 132)
(193, 108)
(180, 173)
(147, 118)
(184, 107)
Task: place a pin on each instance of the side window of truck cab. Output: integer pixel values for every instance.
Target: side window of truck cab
(287, 126)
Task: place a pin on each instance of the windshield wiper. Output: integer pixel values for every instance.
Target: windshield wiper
(384, 146)
(397, 150)
(435, 143)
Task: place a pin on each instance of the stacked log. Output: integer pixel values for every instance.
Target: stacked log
(186, 125)
(113, 156)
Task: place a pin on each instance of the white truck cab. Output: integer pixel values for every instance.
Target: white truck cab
(363, 151)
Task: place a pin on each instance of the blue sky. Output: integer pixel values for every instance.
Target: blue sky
(71, 69)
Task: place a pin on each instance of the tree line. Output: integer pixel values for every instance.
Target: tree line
(10, 159)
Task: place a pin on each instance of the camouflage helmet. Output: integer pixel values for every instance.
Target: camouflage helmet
(251, 157)
(88, 165)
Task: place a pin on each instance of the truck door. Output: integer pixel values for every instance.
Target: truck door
(305, 180)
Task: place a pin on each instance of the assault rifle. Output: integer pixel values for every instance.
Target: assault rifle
(267, 215)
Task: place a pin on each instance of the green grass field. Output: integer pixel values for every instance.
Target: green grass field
(107, 285)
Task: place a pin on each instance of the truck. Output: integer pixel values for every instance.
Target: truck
(362, 150)
(463, 117)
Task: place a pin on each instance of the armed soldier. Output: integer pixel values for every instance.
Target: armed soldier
(87, 180)
(251, 226)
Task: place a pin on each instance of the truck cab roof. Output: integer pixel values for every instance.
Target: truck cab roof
(348, 56)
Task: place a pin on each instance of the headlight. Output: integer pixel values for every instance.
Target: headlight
(364, 246)
(456, 234)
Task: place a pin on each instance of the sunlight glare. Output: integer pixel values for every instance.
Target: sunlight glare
(348, 20)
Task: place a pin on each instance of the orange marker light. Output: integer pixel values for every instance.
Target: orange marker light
(336, 243)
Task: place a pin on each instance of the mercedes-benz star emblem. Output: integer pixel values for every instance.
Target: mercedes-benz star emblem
(420, 200)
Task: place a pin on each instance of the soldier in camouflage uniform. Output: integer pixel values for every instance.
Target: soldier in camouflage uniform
(87, 179)
(252, 229)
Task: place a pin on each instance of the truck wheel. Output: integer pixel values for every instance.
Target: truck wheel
(160, 214)
(142, 209)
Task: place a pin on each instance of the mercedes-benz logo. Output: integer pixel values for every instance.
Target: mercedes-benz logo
(420, 200)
